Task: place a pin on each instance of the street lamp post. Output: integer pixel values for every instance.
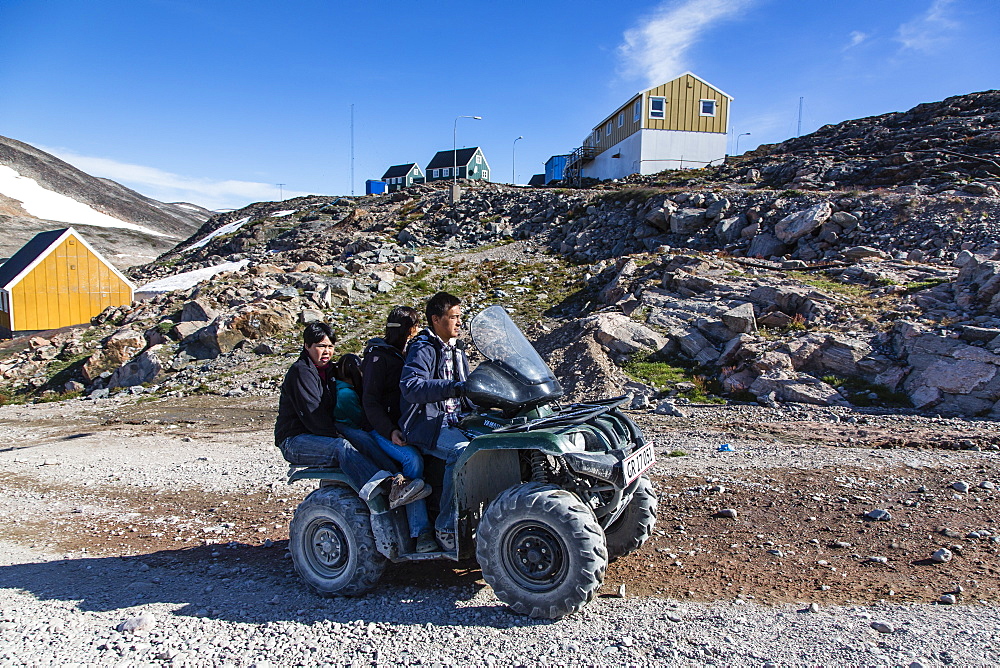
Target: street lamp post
(513, 167)
(745, 134)
(454, 148)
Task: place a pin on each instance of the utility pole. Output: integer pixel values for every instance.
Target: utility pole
(281, 192)
(352, 150)
(798, 132)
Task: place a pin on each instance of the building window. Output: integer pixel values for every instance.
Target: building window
(435, 173)
(479, 159)
(607, 129)
(621, 118)
(657, 107)
(708, 107)
(446, 171)
(486, 175)
(637, 110)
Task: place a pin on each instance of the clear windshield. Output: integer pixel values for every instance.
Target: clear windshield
(498, 338)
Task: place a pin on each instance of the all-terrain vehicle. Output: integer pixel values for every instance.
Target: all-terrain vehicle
(547, 494)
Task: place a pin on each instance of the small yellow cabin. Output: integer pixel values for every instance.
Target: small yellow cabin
(55, 280)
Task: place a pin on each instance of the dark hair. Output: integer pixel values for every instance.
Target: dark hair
(349, 370)
(315, 331)
(439, 305)
(397, 328)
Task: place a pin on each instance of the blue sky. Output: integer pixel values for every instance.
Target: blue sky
(215, 102)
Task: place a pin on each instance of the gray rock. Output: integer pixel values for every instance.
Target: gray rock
(862, 252)
(878, 515)
(730, 513)
(143, 369)
(667, 407)
(947, 599)
(741, 319)
(728, 229)
(687, 221)
(960, 486)
(766, 245)
(882, 627)
(619, 334)
(986, 484)
(198, 310)
(942, 556)
(144, 622)
(796, 225)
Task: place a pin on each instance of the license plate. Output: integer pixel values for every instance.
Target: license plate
(635, 464)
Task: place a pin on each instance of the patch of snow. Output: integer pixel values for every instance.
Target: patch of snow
(185, 280)
(225, 229)
(50, 205)
(282, 214)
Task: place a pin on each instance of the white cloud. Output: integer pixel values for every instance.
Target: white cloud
(168, 187)
(929, 30)
(856, 37)
(657, 48)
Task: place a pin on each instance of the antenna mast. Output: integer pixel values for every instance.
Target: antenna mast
(352, 150)
(798, 132)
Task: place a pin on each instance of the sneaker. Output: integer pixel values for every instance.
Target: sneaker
(446, 540)
(426, 542)
(404, 491)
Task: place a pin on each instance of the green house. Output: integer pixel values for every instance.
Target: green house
(471, 163)
(402, 176)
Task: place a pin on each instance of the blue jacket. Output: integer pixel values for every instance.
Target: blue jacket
(424, 388)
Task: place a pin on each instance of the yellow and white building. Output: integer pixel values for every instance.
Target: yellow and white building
(681, 124)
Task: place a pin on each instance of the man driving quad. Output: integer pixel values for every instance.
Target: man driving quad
(432, 384)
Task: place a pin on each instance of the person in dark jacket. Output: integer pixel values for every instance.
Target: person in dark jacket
(304, 430)
(382, 365)
(432, 384)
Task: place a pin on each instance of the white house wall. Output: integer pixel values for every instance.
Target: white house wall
(606, 167)
(677, 149)
(651, 151)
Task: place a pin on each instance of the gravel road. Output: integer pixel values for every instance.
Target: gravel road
(154, 534)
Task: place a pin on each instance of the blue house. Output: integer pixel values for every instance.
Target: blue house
(554, 168)
(471, 163)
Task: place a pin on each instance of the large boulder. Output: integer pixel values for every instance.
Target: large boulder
(728, 229)
(198, 310)
(794, 226)
(618, 287)
(797, 388)
(687, 221)
(143, 369)
(622, 336)
(741, 319)
(115, 350)
(766, 245)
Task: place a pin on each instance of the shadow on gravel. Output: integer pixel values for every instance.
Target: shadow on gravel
(251, 584)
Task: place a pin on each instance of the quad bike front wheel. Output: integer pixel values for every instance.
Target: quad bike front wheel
(333, 549)
(635, 525)
(542, 550)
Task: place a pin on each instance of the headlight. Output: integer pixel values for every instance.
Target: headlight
(577, 442)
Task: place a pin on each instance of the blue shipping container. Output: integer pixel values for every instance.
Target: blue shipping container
(554, 168)
(373, 187)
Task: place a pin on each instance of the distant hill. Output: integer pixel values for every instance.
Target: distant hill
(40, 192)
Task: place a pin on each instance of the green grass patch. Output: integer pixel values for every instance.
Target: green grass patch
(826, 284)
(860, 390)
(668, 375)
(917, 286)
(676, 453)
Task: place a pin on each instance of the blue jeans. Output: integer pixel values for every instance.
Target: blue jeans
(413, 467)
(313, 450)
(365, 444)
(449, 447)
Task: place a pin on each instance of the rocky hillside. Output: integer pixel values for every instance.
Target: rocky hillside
(678, 288)
(951, 145)
(149, 227)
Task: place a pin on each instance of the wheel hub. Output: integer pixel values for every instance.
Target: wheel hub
(536, 557)
(328, 546)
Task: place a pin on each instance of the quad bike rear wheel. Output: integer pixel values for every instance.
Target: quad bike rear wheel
(635, 525)
(542, 550)
(333, 549)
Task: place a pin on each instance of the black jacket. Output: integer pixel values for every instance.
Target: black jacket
(306, 403)
(424, 388)
(380, 395)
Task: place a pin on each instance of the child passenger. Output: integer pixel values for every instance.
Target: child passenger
(350, 421)
(383, 362)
